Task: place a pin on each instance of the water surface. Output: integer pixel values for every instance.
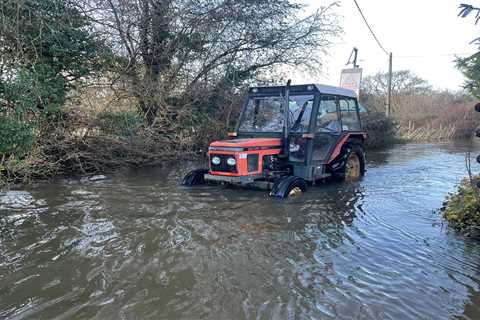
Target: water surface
(136, 245)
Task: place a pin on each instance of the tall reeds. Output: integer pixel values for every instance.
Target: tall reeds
(430, 115)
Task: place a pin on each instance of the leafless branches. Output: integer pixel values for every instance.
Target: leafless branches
(166, 47)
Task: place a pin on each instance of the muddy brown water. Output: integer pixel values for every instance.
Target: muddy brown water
(136, 245)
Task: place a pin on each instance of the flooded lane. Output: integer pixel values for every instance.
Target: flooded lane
(137, 245)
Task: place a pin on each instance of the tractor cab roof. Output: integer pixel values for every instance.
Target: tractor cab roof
(319, 88)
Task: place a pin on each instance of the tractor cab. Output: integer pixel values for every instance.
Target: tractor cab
(288, 137)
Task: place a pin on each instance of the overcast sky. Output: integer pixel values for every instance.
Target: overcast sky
(422, 34)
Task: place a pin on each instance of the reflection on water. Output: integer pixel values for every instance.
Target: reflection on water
(137, 245)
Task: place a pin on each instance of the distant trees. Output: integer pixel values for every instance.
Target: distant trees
(421, 112)
(404, 83)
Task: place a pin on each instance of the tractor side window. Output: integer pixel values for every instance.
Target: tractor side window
(348, 110)
(327, 118)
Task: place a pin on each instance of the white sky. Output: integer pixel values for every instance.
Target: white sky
(429, 30)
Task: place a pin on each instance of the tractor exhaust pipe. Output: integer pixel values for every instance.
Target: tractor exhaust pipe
(286, 111)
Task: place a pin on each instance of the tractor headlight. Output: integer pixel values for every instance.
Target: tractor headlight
(231, 161)
(216, 160)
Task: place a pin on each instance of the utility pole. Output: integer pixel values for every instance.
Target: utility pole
(389, 85)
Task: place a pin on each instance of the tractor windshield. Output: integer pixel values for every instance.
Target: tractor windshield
(265, 114)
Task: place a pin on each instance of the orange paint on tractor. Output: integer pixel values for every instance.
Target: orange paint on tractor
(338, 147)
(246, 143)
(260, 146)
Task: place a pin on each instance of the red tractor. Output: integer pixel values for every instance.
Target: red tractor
(287, 138)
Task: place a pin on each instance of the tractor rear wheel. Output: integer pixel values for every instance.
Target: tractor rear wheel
(288, 186)
(351, 164)
(352, 167)
(194, 177)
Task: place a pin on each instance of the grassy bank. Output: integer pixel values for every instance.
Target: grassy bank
(462, 208)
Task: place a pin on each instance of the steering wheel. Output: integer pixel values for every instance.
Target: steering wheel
(325, 126)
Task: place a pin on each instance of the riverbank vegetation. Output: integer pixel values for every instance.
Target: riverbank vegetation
(462, 208)
(419, 112)
(90, 86)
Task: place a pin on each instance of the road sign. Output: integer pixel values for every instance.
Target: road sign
(351, 79)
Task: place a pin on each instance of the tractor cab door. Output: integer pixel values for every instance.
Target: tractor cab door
(327, 129)
(301, 110)
(349, 114)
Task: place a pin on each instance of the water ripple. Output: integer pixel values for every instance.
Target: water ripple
(137, 246)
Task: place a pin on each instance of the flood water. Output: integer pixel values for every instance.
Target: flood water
(136, 245)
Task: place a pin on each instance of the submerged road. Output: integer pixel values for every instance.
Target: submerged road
(136, 245)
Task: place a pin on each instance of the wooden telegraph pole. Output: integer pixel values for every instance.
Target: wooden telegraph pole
(389, 87)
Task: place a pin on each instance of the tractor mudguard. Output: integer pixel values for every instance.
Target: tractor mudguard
(284, 186)
(337, 167)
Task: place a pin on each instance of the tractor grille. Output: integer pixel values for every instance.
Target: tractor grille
(252, 162)
(222, 166)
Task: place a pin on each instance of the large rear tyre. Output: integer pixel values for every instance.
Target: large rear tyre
(350, 165)
(288, 186)
(194, 178)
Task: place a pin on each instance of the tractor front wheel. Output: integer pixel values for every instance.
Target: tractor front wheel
(288, 186)
(194, 177)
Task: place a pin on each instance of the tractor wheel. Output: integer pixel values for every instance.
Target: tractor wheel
(194, 177)
(288, 186)
(351, 164)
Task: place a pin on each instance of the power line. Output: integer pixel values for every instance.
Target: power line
(425, 56)
(369, 28)
(435, 55)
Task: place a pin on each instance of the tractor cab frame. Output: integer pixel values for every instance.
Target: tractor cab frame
(288, 137)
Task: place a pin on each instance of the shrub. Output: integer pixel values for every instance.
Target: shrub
(380, 130)
(122, 124)
(16, 137)
(462, 209)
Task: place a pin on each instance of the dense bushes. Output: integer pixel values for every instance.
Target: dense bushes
(16, 137)
(46, 50)
(180, 66)
(462, 208)
(381, 131)
(123, 124)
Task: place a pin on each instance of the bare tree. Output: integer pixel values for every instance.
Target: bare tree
(166, 47)
(404, 83)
